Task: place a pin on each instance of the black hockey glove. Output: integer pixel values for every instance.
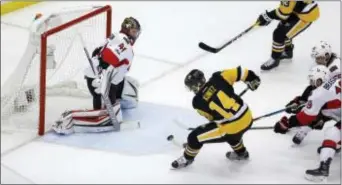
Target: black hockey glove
(282, 126)
(252, 80)
(295, 105)
(264, 19)
(96, 51)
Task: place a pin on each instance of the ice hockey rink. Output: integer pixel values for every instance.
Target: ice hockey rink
(165, 52)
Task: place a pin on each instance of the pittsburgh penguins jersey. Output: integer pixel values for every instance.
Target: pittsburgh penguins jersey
(216, 100)
(306, 10)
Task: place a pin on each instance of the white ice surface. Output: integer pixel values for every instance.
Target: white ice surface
(165, 52)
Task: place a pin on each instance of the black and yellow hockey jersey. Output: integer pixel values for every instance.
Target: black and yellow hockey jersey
(306, 10)
(217, 100)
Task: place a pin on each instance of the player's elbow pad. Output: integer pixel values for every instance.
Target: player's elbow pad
(272, 14)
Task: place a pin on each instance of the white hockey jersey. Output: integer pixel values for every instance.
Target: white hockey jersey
(335, 66)
(118, 53)
(325, 99)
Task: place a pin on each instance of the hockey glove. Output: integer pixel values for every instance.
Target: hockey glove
(295, 105)
(264, 19)
(252, 80)
(96, 51)
(282, 126)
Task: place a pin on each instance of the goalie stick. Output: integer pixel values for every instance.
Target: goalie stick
(216, 50)
(104, 95)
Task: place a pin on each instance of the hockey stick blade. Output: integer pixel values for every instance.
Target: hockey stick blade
(208, 48)
(216, 50)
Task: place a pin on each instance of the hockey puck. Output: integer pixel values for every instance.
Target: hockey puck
(170, 137)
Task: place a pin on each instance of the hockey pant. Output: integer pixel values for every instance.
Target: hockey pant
(285, 32)
(230, 131)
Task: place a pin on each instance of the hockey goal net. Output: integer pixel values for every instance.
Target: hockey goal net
(49, 77)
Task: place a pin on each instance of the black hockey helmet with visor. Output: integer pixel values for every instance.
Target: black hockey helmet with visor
(195, 80)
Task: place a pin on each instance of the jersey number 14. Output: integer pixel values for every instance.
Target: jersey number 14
(227, 102)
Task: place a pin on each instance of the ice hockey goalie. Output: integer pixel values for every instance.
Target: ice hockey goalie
(112, 61)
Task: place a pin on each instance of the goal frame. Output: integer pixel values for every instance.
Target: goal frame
(43, 58)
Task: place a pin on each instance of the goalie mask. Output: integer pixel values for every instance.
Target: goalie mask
(131, 27)
(195, 80)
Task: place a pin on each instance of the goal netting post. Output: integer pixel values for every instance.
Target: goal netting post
(49, 78)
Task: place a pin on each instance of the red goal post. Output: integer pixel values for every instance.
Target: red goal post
(43, 57)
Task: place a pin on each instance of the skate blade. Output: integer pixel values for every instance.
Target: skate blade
(316, 178)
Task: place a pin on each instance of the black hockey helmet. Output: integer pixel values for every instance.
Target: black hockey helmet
(131, 27)
(195, 80)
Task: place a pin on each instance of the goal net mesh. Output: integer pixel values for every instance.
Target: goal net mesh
(65, 61)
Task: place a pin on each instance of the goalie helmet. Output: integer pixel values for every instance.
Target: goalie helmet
(131, 27)
(195, 80)
(321, 53)
(318, 75)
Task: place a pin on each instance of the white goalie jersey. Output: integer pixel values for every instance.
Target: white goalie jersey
(118, 53)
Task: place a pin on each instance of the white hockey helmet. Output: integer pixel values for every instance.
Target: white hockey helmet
(318, 75)
(321, 52)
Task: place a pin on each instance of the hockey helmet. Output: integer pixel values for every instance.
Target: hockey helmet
(318, 75)
(195, 80)
(321, 53)
(131, 27)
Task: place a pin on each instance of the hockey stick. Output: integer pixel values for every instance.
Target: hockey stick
(216, 50)
(275, 112)
(254, 119)
(104, 95)
(244, 91)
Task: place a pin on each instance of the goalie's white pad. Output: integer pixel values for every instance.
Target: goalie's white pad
(130, 97)
(86, 121)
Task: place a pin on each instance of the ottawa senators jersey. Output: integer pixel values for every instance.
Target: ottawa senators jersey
(306, 10)
(217, 100)
(325, 99)
(118, 53)
(334, 65)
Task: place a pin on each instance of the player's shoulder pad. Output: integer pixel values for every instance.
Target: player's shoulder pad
(327, 85)
(195, 101)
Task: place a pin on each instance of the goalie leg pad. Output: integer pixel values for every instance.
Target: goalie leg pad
(130, 96)
(86, 121)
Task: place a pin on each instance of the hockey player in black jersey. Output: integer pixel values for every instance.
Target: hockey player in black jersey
(229, 116)
(294, 17)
